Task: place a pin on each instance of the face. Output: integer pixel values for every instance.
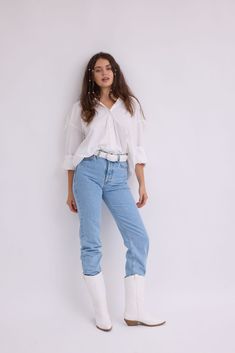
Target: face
(103, 74)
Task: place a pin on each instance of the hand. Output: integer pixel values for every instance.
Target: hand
(142, 196)
(71, 202)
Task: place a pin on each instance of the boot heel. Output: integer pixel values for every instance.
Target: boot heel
(131, 322)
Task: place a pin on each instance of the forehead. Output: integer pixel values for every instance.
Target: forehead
(102, 62)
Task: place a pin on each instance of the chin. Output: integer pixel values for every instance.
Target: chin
(105, 85)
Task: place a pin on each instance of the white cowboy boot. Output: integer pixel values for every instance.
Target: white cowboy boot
(96, 288)
(135, 313)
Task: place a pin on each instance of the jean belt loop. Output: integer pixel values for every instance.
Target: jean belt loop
(118, 157)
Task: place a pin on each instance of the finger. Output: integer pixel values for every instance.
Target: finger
(142, 200)
(73, 206)
(139, 203)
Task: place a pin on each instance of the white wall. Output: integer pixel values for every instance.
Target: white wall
(178, 57)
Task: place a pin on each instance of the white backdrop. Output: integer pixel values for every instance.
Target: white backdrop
(178, 57)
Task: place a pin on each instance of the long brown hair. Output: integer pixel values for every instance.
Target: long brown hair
(91, 91)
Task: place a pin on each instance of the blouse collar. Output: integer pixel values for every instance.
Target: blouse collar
(114, 104)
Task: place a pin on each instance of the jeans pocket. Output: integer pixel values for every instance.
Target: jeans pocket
(88, 159)
(123, 165)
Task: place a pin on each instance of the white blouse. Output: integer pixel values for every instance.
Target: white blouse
(112, 130)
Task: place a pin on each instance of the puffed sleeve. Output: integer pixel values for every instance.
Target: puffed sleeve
(73, 136)
(139, 136)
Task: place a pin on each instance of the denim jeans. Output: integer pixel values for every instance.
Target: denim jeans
(96, 179)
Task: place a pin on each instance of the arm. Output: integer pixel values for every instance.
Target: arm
(139, 170)
(70, 198)
(140, 155)
(70, 181)
(73, 138)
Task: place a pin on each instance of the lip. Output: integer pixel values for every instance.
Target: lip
(105, 79)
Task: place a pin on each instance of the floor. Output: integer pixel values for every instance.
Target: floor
(198, 323)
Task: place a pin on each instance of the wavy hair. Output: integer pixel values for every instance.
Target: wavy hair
(90, 92)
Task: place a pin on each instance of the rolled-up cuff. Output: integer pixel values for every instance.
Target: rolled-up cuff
(140, 155)
(68, 163)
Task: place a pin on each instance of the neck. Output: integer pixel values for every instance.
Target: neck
(104, 93)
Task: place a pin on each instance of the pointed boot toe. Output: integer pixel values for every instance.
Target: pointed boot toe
(135, 313)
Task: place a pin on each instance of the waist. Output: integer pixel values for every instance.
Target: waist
(111, 156)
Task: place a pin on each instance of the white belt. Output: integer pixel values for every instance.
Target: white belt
(121, 157)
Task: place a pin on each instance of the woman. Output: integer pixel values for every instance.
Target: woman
(103, 148)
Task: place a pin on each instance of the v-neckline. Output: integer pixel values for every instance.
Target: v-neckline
(110, 109)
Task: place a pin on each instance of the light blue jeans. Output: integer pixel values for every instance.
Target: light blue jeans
(96, 179)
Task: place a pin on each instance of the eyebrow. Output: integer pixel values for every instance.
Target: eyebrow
(100, 66)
